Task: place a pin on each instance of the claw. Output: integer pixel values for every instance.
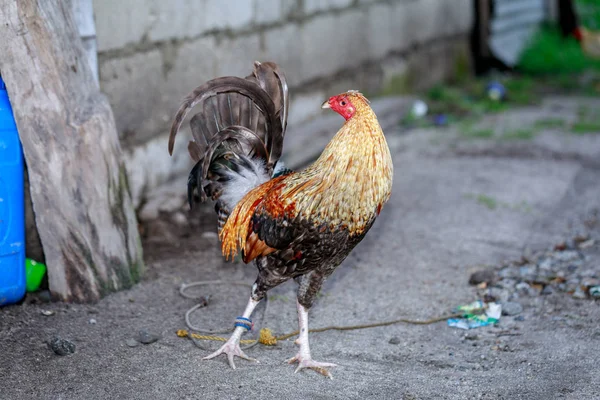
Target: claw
(231, 349)
(320, 367)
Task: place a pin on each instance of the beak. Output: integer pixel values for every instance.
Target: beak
(325, 104)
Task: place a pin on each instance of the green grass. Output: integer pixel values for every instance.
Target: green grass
(493, 204)
(549, 64)
(589, 13)
(487, 201)
(550, 123)
(584, 127)
(588, 122)
(521, 90)
(549, 53)
(519, 134)
(583, 111)
(484, 133)
(484, 200)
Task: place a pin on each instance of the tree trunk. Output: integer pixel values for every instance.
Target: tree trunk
(83, 210)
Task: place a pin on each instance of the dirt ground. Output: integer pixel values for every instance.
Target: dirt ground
(459, 204)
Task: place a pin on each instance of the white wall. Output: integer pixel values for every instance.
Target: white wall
(153, 52)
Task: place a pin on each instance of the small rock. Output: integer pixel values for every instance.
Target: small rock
(547, 290)
(586, 244)
(471, 336)
(509, 272)
(562, 287)
(511, 308)
(172, 203)
(568, 255)
(589, 282)
(484, 275)
(569, 244)
(546, 264)
(577, 263)
(519, 318)
(522, 286)
(47, 313)
(527, 271)
(149, 211)
(561, 246)
(579, 293)
(498, 294)
(588, 273)
(507, 283)
(394, 340)
(147, 337)
(210, 235)
(179, 219)
(527, 254)
(92, 321)
(61, 346)
(44, 296)
(132, 342)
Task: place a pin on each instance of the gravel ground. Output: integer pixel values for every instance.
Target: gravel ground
(523, 211)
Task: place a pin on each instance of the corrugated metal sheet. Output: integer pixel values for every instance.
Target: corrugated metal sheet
(513, 24)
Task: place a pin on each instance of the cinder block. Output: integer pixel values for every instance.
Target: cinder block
(149, 165)
(424, 20)
(268, 11)
(145, 89)
(311, 6)
(380, 37)
(305, 106)
(327, 48)
(121, 23)
(231, 14)
(175, 19)
(283, 45)
(235, 56)
(132, 85)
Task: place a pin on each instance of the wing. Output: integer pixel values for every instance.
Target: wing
(260, 223)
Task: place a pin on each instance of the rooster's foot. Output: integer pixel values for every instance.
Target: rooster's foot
(307, 362)
(231, 348)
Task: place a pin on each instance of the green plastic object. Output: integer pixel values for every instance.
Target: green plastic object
(34, 273)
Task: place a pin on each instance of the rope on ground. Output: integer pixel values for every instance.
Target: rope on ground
(208, 333)
(266, 336)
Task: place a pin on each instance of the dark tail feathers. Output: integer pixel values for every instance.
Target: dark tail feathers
(241, 119)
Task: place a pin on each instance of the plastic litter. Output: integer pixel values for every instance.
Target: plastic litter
(440, 120)
(419, 109)
(34, 273)
(495, 91)
(473, 317)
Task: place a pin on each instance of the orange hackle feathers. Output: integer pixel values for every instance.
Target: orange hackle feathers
(351, 179)
(236, 230)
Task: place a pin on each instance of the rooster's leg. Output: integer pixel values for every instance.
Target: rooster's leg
(232, 346)
(303, 357)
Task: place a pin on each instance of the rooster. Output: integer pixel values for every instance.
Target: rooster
(298, 225)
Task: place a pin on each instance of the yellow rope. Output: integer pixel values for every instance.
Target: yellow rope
(267, 338)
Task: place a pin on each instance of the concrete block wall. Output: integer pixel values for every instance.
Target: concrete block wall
(152, 53)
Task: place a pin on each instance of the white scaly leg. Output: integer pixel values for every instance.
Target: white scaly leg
(232, 346)
(303, 358)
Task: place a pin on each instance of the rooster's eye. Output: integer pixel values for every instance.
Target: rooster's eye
(343, 103)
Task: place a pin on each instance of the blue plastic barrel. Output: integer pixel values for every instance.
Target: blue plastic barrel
(12, 212)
